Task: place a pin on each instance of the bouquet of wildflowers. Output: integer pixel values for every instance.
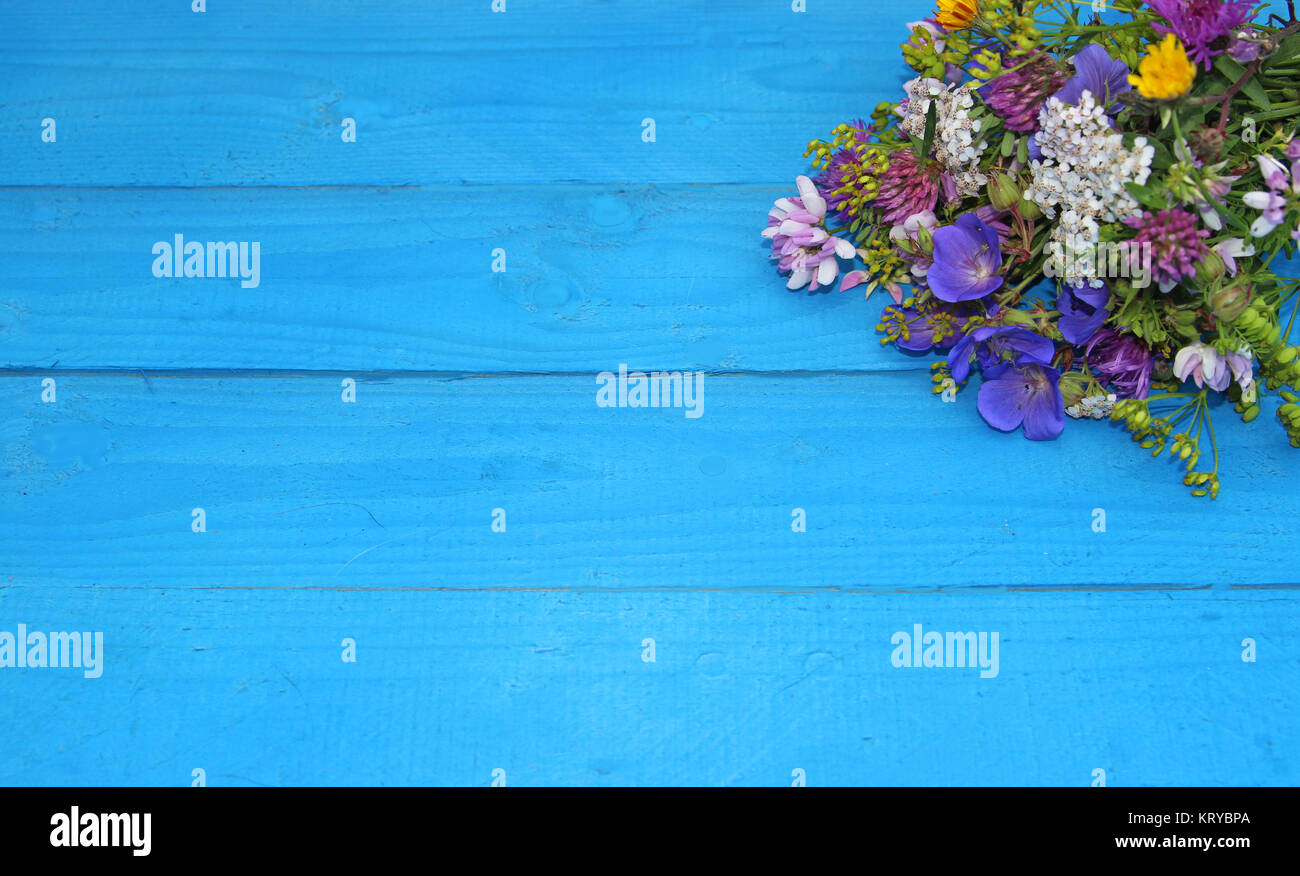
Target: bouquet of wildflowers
(1084, 202)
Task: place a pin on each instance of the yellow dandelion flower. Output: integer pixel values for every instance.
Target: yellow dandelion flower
(1165, 73)
(955, 15)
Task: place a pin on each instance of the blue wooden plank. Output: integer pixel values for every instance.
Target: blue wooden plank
(522, 650)
(403, 279)
(254, 92)
(745, 689)
(901, 491)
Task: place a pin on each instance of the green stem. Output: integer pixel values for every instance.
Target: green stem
(1214, 445)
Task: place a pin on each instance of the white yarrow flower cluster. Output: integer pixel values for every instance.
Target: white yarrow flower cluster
(1082, 174)
(1096, 407)
(958, 145)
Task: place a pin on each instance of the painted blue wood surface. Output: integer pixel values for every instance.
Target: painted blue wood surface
(397, 489)
(523, 650)
(254, 91)
(746, 689)
(401, 279)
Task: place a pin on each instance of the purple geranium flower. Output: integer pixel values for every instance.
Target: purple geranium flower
(997, 220)
(1083, 311)
(1028, 393)
(967, 259)
(994, 344)
(1098, 72)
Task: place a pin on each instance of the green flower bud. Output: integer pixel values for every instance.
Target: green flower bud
(1210, 269)
(1029, 210)
(1229, 304)
(926, 240)
(1015, 316)
(1074, 387)
(1004, 191)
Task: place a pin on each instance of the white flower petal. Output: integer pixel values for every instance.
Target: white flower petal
(815, 204)
(827, 271)
(843, 248)
(1262, 227)
(1270, 166)
(1187, 360)
(799, 279)
(1235, 247)
(925, 219)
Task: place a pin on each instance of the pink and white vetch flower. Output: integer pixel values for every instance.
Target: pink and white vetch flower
(800, 242)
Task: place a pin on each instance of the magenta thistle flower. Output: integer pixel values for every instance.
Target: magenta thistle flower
(844, 173)
(1018, 95)
(800, 242)
(840, 169)
(1204, 26)
(1176, 244)
(930, 324)
(1122, 361)
(908, 187)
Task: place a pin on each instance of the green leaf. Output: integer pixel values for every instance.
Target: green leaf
(1234, 220)
(1148, 197)
(1163, 158)
(1251, 89)
(1008, 144)
(931, 122)
(1289, 50)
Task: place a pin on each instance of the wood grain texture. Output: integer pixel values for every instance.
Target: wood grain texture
(402, 279)
(254, 92)
(522, 650)
(397, 489)
(745, 688)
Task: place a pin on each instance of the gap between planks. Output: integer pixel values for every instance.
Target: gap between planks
(226, 373)
(618, 185)
(735, 591)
